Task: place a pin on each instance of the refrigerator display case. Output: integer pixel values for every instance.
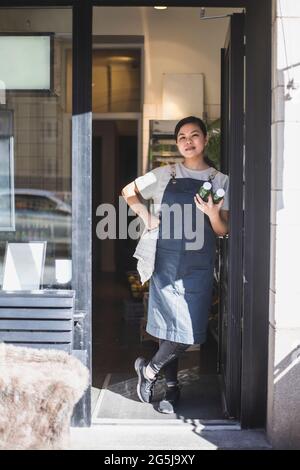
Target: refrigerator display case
(162, 145)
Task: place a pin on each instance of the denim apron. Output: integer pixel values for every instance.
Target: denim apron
(180, 290)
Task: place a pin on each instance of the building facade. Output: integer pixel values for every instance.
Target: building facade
(52, 118)
(284, 332)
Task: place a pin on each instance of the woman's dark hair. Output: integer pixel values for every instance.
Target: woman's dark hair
(203, 128)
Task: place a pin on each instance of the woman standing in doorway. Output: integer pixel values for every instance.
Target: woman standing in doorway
(181, 284)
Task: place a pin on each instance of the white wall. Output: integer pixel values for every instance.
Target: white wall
(284, 347)
(176, 40)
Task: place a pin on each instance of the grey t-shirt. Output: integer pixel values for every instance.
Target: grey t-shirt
(152, 184)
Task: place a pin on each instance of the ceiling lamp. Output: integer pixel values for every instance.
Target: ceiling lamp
(160, 8)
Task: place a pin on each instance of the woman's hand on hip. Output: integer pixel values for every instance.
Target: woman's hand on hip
(209, 208)
(152, 222)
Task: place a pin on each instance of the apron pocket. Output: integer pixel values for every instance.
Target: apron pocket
(194, 260)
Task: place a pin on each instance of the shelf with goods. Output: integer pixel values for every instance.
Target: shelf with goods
(162, 146)
(133, 308)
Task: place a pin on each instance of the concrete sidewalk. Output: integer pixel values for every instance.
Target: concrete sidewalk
(162, 436)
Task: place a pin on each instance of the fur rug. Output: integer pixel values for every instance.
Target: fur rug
(38, 391)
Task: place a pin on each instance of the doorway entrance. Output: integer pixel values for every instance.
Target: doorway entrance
(119, 301)
(254, 300)
(256, 224)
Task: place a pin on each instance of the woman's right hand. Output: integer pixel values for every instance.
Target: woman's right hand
(152, 222)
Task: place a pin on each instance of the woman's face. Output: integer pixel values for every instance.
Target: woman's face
(191, 141)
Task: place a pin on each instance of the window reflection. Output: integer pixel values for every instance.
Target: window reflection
(42, 150)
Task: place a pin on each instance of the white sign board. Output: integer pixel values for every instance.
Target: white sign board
(183, 95)
(24, 265)
(25, 62)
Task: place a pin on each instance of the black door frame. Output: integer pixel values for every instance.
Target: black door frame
(257, 187)
(231, 248)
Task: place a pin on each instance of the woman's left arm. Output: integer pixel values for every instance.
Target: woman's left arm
(219, 219)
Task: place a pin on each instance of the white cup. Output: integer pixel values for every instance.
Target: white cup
(63, 271)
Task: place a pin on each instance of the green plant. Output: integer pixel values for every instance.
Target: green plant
(213, 149)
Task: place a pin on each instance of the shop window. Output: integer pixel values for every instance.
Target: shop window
(35, 124)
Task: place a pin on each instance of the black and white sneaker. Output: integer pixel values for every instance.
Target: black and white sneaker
(145, 385)
(168, 404)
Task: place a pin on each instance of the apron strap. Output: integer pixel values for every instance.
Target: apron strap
(173, 173)
(213, 175)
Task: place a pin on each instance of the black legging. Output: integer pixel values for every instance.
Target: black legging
(167, 357)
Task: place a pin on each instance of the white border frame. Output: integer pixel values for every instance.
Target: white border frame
(12, 226)
(44, 243)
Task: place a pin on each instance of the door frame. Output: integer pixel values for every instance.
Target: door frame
(114, 116)
(231, 256)
(257, 187)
